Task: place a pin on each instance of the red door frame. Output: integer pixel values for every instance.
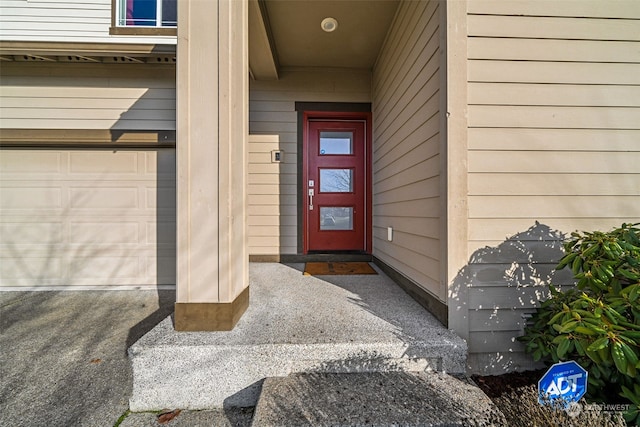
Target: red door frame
(338, 116)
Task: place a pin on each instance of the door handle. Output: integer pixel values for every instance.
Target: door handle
(311, 193)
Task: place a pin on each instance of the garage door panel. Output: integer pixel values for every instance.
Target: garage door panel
(104, 233)
(103, 198)
(18, 267)
(87, 217)
(15, 198)
(31, 233)
(98, 266)
(105, 162)
(36, 162)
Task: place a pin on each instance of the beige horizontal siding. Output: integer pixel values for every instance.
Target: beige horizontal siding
(64, 21)
(502, 71)
(416, 190)
(398, 258)
(273, 124)
(87, 96)
(406, 161)
(516, 49)
(415, 241)
(556, 184)
(626, 9)
(495, 297)
(420, 146)
(554, 120)
(401, 173)
(553, 117)
(510, 139)
(485, 232)
(496, 342)
(487, 320)
(553, 27)
(546, 206)
(566, 162)
(556, 95)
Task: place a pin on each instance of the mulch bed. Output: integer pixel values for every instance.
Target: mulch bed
(516, 395)
(496, 385)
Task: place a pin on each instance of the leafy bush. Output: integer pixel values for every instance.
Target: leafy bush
(597, 323)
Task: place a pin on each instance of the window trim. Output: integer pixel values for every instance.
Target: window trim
(116, 30)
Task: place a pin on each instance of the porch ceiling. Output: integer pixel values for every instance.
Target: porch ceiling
(287, 33)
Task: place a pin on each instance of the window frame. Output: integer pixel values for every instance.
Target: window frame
(134, 30)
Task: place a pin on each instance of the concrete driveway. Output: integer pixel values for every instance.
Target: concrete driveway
(63, 358)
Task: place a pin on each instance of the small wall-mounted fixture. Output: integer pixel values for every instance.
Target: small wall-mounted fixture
(527, 321)
(390, 234)
(329, 24)
(277, 156)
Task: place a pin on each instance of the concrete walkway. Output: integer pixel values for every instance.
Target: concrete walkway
(63, 355)
(295, 323)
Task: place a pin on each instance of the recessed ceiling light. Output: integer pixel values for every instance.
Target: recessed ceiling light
(329, 24)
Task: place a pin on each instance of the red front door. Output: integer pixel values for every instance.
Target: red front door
(335, 185)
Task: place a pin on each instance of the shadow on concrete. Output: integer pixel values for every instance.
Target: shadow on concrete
(378, 398)
(63, 355)
(166, 301)
(247, 394)
(428, 344)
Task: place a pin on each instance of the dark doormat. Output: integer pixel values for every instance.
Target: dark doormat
(337, 268)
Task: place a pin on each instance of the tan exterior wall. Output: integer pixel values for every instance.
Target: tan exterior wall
(86, 217)
(272, 192)
(406, 147)
(87, 96)
(554, 114)
(85, 21)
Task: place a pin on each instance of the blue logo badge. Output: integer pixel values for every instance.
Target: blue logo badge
(563, 383)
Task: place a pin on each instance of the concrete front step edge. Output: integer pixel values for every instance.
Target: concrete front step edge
(378, 399)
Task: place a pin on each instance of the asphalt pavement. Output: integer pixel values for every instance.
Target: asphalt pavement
(63, 355)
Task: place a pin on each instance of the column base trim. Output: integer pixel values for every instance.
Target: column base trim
(210, 316)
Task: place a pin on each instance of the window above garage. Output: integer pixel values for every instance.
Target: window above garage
(144, 17)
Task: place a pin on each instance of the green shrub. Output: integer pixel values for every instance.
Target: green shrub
(597, 323)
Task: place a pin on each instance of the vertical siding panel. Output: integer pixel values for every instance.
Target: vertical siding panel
(406, 147)
(554, 121)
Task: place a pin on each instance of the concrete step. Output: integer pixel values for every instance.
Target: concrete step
(374, 399)
(334, 324)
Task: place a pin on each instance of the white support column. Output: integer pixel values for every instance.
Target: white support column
(212, 129)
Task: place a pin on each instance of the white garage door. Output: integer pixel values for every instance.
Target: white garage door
(87, 218)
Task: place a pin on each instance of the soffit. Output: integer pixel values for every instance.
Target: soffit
(86, 52)
(298, 40)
